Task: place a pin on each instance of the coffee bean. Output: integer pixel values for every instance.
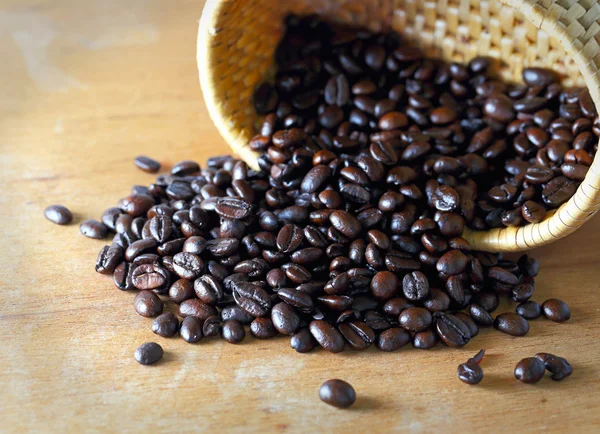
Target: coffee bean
(59, 214)
(262, 328)
(92, 229)
(480, 315)
(559, 367)
(451, 330)
(556, 310)
(184, 168)
(251, 298)
(233, 331)
(147, 164)
(384, 285)
(415, 319)
(181, 290)
(415, 286)
(148, 353)
(191, 330)
(337, 393)
(187, 265)
(327, 336)
(470, 373)
(147, 304)
(136, 205)
(149, 276)
(538, 76)
(285, 318)
(108, 259)
(165, 325)
(530, 370)
(194, 307)
(453, 262)
(511, 324)
(393, 339)
(346, 223)
(529, 310)
(425, 340)
(303, 341)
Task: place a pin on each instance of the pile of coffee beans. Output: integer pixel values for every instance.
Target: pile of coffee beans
(373, 160)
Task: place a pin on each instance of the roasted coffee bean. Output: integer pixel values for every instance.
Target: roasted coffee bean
(303, 341)
(452, 263)
(165, 325)
(451, 330)
(469, 322)
(191, 330)
(91, 228)
(147, 304)
(123, 276)
(415, 286)
(184, 168)
(149, 276)
(346, 223)
(252, 298)
(529, 310)
(140, 247)
(557, 366)
(511, 324)
(538, 76)
(533, 212)
(384, 285)
(136, 205)
(211, 326)
(148, 353)
(393, 339)
(181, 290)
(556, 310)
(187, 265)
(233, 331)
(437, 301)
(60, 215)
(208, 289)
(470, 373)
(530, 370)
(146, 164)
(108, 259)
(480, 315)
(285, 318)
(194, 307)
(327, 336)
(289, 238)
(425, 340)
(415, 319)
(262, 328)
(337, 393)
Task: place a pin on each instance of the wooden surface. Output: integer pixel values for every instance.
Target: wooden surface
(85, 86)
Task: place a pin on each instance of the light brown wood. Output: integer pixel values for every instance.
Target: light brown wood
(120, 80)
(237, 38)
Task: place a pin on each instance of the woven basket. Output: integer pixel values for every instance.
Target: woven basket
(237, 39)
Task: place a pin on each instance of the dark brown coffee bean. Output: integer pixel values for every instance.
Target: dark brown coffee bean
(147, 164)
(415, 319)
(123, 276)
(262, 328)
(327, 336)
(252, 298)
(346, 223)
(337, 393)
(165, 325)
(149, 276)
(208, 289)
(425, 340)
(451, 330)
(558, 191)
(233, 331)
(181, 290)
(59, 214)
(303, 341)
(194, 307)
(452, 263)
(529, 310)
(184, 168)
(148, 353)
(337, 91)
(533, 212)
(415, 286)
(384, 285)
(511, 324)
(538, 76)
(557, 366)
(470, 373)
(289, 238)
(191, 330)
(393, 339)
(469, 322)
(136, 205)
(187, 265)
(530, 370)
(383, 152)
(556, 310)
(140, 247)
(480, 315)
(147, 304)
(285, 318)
(92, 229)
(108, 259)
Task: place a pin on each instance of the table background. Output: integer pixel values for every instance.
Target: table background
(87, 86)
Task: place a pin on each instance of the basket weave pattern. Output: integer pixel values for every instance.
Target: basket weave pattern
(237, 39)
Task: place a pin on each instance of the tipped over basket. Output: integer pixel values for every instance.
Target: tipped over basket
(237, 39)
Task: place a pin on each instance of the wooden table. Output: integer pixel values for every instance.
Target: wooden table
(87, 86)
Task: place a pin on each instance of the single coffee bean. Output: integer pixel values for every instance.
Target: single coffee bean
(384, 285)
(425, 340)
(93, 229)
(327, 336)
(233, 331)
(451, 330)
(415, 319)
(511, 324)
(530, 370)
(191, 330)
(262, 328)
(529, 310)
(59, 214)
(303, 341)
(337, 393)
(470, 373)
(148, 353)
(392, 339)
(187, 265)
(147, 164)
(149, 276)
(165, 324)
(481, 316)
(559, 367)
(415, 286)
(147, 304)
(211, 326)
(184, 168)
(285, 318)
(556, 310)
(108, 259)
(181, 290)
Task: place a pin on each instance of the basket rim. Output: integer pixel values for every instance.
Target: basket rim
(557, 224)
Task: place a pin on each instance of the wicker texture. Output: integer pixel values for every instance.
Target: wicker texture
(237, 39)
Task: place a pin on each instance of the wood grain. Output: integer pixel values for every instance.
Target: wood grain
(68, 335)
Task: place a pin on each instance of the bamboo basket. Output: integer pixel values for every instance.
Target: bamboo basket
(237, 39)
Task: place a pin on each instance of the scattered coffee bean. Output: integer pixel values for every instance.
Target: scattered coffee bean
(530, 370)
(556, 310)
(557, 366)
(511, 324)
(529, 310)
(59, 214)
(470, 373)
(337, 393)
(148, 353)
(165, 325)
(191, 329)
(147, 164)
(93, 229)
(147, 304)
